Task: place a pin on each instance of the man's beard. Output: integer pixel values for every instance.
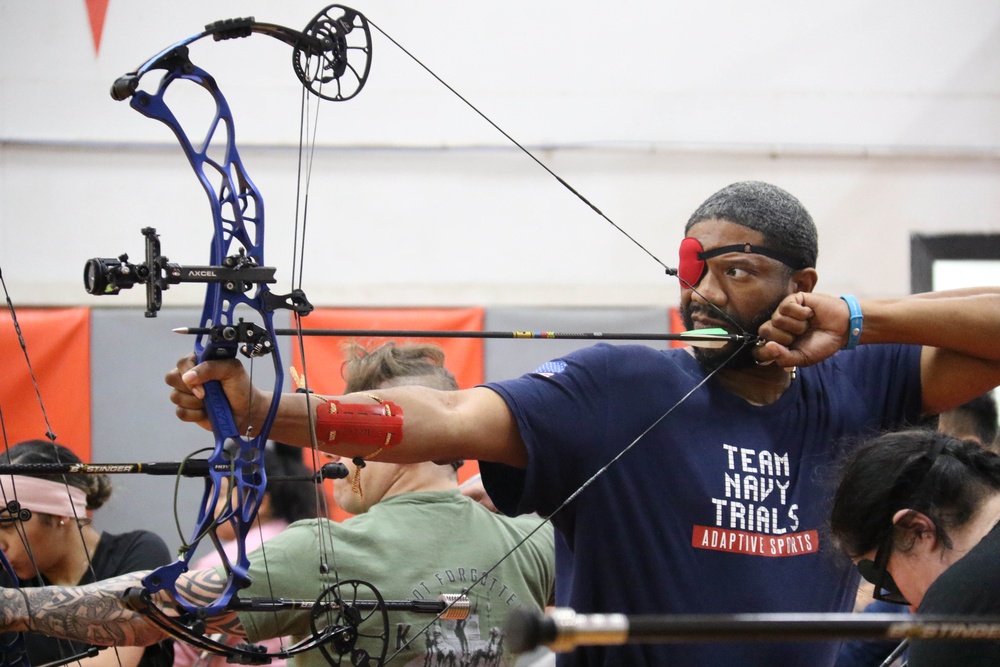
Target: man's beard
(712, 359)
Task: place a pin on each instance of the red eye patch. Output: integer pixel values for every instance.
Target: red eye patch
(691, 264)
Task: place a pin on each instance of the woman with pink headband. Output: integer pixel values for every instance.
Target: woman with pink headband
(58, 546)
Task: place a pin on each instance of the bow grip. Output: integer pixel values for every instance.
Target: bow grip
(220, 414)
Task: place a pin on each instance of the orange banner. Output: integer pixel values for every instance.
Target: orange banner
(58, 345)
(463, 357)
(676, 326)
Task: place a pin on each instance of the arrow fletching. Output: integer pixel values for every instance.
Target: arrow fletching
(707, 338)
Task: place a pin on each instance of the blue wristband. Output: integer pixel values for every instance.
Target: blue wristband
(857, 321)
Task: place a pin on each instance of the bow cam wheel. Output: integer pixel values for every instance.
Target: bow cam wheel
(345, 613)
(337, 70)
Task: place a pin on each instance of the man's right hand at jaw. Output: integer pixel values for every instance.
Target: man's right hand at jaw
(188, 393)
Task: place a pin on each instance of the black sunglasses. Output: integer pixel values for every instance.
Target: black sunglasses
(875, 571)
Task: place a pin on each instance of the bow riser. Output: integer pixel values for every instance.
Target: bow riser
(236, 464)
(238, 219)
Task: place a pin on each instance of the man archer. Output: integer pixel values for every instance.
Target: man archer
(718, 506)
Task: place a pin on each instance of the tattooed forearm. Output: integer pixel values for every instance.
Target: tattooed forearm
(96, 613)
(13, 610)
(93, 614)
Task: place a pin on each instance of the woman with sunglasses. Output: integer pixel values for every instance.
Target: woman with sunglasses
(57, 546)
(919, 511)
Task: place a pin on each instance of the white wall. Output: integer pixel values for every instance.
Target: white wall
(882, 117)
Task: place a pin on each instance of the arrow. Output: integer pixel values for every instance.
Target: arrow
(708, 338)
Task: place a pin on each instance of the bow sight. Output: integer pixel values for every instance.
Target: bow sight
(103, 276)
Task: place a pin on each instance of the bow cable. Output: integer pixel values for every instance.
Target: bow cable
(16, 650)
(572, 496)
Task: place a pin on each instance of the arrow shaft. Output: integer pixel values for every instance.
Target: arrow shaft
(509, 335)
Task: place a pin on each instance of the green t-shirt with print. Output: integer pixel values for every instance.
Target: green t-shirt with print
(413, 546)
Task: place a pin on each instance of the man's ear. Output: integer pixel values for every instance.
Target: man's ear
(804, 280)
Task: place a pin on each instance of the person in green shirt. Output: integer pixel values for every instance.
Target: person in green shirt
(414, 537)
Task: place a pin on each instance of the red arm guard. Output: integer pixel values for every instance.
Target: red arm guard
(379, 425)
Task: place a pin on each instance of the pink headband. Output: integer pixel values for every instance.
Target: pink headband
(44, 496)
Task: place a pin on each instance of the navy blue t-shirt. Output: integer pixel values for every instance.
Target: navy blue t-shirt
(719, 508)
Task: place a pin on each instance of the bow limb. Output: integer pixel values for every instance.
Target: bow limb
(323, 53)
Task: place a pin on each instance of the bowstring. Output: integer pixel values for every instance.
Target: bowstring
(51, 436)
(27, 360)
(668, 270)
(572, 496)
(520, 146)
(306, 151)
(534, 158)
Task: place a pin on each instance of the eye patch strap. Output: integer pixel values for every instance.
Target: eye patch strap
(749, 249)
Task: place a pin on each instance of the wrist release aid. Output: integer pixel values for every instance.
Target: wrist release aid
(857, 321)
(376, 424)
